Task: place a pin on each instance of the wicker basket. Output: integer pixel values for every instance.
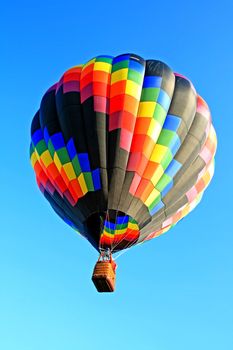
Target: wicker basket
(104, 277)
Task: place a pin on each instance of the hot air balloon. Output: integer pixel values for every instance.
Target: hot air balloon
(122, 148)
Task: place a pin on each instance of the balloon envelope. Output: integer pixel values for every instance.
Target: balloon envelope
(122, 148)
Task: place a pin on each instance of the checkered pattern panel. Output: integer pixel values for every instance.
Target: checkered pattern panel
(123, 228)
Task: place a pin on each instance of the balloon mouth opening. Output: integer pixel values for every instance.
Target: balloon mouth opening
(113, 230)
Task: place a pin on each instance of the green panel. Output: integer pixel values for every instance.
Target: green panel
(122, 226)
(155, 202)
(108, 230)
(104, 59)
(167, 159)
(63, 155)
(159, 114)
(76, 166)
(135, 76)
(41, 147)
(166, 137)
(120, 65)
(88, 180)
(163, 182)
(150, 94)
(51, 148)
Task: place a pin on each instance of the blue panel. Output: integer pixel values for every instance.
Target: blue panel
(175, 145)
(57, 141)
(167, 188)
(46, 135)
(120, 58)
(109, 225)
(122, 219)
(71, 148)
(136, 66)
(173, 168)
(172, 122)
(164, 100)
(96, 179)
(156, 208)
(84, 162)
(37, 136)
(152, 81)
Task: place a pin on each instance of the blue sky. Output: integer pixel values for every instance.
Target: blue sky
(174, 293)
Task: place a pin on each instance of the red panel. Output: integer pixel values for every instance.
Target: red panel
(118, 88)
(116, 103)
(88, 69)
(71, 77)
(137, 143)
(76, 189)
(84, 81)
(52, 171)
(100, 89)
(128, 121)
(133, 161)
(101, 104)
(86, 92)
(115, 121)
(43, 178)
(135, 183)
(61, 184)
(126, 139)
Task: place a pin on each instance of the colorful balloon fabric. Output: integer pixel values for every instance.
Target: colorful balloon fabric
(122, 148)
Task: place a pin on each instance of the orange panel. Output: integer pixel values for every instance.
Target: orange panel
(142, 125)
(131, 104)
(101, 76)
(150, 169)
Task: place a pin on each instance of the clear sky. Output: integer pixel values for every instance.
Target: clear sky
(174, 293)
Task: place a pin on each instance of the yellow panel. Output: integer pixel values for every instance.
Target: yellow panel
(154, 130)
(133, 89)
(206, 178)
(57, 161)
(157, 175)
(132, 226)
(82, 183)
(154, 194)
(103, 66)
(46, 158)
(107, 234)
(120, 232)
(69, 170)
(121, 74)
(33, 159)
(146, 109)
(158, 153)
